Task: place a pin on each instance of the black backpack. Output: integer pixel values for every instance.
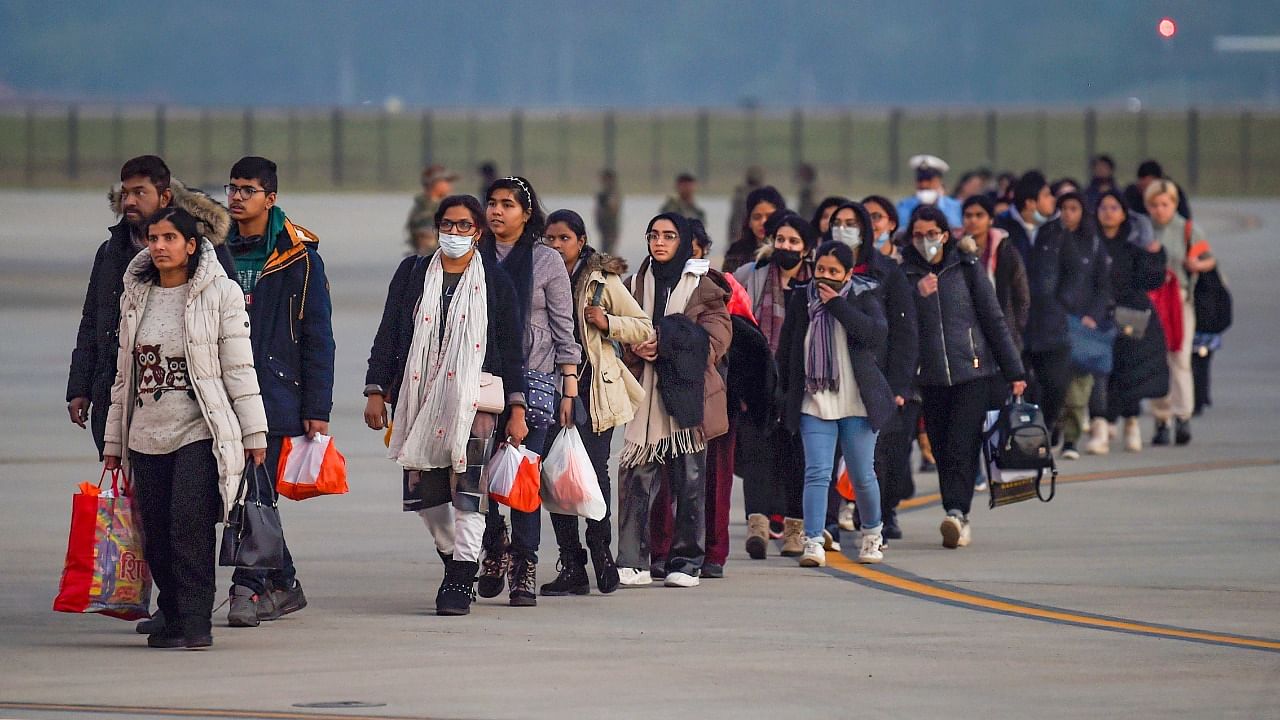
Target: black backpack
(1019, 440)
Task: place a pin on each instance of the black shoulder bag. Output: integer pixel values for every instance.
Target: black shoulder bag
(253, 537)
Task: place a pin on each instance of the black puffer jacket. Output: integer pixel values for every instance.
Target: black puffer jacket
(866, 331)
(1140, 368)
(963, 335)
(1090, 277)
(1049, 263)
(93, 361)
(900, 312)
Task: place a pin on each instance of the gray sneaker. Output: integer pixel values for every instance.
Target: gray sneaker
(244, 610)
(279, 603)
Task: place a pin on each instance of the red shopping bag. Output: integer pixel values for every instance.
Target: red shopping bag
(1167, 301)
(310, 467)
(844, 485)
(514, 478)
(105, 571)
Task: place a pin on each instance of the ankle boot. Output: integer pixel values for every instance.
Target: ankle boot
(757, 536)
(572, 579)
(1162, 433)
(793, 537)
(522, 580)
(455, 594)
(1182, 432)
(606, 569)
(497, 559)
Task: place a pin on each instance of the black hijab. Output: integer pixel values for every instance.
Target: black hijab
(667, 274)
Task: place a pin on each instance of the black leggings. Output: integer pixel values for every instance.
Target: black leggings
(953, 417)
(179, 503)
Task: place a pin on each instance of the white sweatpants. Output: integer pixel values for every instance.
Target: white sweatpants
(459, 532)
(1181, 398)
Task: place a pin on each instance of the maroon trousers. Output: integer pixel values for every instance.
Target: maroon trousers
(719, 494)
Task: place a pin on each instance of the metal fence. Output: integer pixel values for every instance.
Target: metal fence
(1212, 151)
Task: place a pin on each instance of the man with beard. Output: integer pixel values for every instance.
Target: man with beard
(145, 187)
(287, 296)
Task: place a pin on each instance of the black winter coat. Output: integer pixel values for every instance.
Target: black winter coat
(1089, 292)
(1048, 265)
(504, 355)
(900, 312)
(867, 332)
(1139, 367)
(963, 335)
(93, 361)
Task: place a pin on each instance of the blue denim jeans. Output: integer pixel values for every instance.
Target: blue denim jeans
(858, 442)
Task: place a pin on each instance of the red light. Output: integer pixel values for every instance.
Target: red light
(1167, 28)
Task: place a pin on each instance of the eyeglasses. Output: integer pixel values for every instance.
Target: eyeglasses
(931, 237)
(245, 191)
(845, 223)
(876, 216)
(462, 226)
(655, 236)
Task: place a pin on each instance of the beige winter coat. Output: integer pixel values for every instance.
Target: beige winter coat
(219, 363)
(615, 392)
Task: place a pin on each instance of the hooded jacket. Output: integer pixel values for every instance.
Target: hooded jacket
(1010, 278)
(93, 361)
(219, 365)
(615, 393)
(1049, 261)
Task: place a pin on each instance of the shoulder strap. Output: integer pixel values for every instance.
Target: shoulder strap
(1186, 236)
(599, 293)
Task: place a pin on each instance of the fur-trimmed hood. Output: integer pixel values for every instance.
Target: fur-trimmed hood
(607, 263)
(994, 237)
(211, 216)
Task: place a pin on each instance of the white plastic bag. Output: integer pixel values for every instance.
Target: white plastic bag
(508, 484)
(569, 484)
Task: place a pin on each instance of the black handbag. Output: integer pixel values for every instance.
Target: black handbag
(1131, 322)
(1213, 303)
(253, 537)
(540, 398)
(1018, 441)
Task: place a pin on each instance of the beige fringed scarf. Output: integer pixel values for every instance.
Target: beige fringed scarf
(652, 435)
(442, 376)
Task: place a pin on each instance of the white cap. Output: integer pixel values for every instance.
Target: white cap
(928, 162)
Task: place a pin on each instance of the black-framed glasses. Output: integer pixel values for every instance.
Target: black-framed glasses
(462, 226)
(245, 191)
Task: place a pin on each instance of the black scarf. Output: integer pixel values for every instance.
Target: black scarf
(518, 264)
(667, 274)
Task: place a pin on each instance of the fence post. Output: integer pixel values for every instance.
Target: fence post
(73, 142)
(655, 152)
(703, 142)
(295, 161)
(1042, 141)
(563, 121)
(1090, 138)
(428, 138)
(117, 136)
(753, 155)
(992, 150)
(517, 142)
(384, 147)
(944, 145)
(30, 129)
(336, 124)
(610, 141)
(1245, 150)
(797, 138)
(895, 130)
(1142, 135)
(160, 130)
(206, 145)
(1193, 148)
(247, 131)
(472, 140)
(846, 147)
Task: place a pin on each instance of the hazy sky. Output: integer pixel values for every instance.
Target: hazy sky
(634, 54)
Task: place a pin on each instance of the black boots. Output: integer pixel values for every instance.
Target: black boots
(606, 570)
(522, 578)
(1162, 434)
(455, 594)
(1182, 432)
(572, 579)
(497, 559)
(890, 529)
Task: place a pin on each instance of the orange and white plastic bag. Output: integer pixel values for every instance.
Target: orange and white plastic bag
(844, 485)
(310, 467)
(513, 477)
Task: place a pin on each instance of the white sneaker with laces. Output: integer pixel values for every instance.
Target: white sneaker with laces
(829, 543)
(1132, 435)
(681, 580)
(814, 555)
(631, 577)
(845, 519)
(952, 528)
(872, 550)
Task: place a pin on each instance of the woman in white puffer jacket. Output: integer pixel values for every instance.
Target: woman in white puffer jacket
(186, 408)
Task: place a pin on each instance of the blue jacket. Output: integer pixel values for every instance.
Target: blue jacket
(948, 205)
(292, 333)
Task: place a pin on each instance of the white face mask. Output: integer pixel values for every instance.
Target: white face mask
(851, 236)
(929, 248)
(455, 246)
(927, 196)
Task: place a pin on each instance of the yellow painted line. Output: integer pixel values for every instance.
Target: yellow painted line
(194, 712)
(920, 501)
(929, 590)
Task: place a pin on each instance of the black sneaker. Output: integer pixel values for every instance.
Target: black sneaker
(572, 579)
(151, 626)
(244, 610)
(455, 594)
(497, 561)
(712, 570)
(170, 639)
(1182, 432)
(1162, 434)
(605, 567)
(890, 529)
(658, 570)
(282, 602)
(522, 579)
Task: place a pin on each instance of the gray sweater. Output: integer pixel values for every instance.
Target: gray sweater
(548, 336)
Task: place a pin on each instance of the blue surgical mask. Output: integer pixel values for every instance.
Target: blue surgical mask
(881, 239)
(1039, 219)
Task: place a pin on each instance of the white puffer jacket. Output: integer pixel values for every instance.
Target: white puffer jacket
(219, 362)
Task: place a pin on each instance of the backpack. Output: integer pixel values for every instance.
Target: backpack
(1017, 444)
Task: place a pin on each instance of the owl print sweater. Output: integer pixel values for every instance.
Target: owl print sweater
(166, 414)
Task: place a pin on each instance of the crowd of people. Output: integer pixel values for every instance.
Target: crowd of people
(826, 343)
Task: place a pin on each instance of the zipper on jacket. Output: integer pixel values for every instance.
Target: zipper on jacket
(942, 326)
(292, 335)
(973, 347)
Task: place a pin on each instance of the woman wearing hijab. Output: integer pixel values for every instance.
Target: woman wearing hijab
(684, 405)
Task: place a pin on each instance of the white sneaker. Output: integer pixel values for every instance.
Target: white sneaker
(1070, 453)
(1132, 435)
(872, 550)
(681, 580)
(814, 555)
(829, 543)
(845, 519)
(982, 486)
(1099, 440)
(631, 577)
(955, 531)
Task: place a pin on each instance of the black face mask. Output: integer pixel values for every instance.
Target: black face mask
(833, 284)
(786, 259)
